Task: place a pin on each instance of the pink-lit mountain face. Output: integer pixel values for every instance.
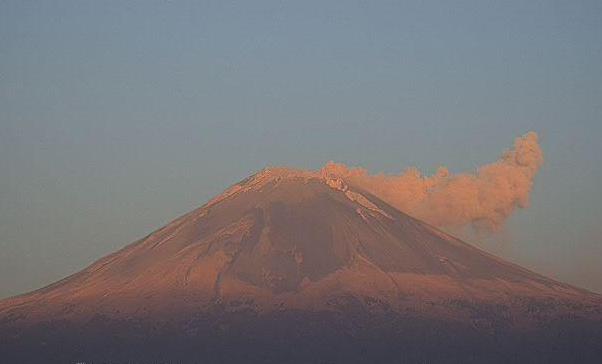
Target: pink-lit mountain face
(295, 266)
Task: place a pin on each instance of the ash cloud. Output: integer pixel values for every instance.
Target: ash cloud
(482, 200)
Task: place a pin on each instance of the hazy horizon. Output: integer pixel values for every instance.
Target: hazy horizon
(117, 118)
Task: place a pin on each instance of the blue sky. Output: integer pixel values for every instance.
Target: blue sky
(116, 117)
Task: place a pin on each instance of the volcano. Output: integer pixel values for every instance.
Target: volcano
(301, 267)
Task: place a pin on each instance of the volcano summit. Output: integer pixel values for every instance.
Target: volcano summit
(299, 266)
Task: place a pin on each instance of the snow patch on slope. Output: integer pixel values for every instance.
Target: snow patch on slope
(340, 185)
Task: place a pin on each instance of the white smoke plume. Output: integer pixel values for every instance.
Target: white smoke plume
(482, 200)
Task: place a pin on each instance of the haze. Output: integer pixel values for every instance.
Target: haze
(116, 118)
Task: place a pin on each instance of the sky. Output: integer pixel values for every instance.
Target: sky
(116, 117)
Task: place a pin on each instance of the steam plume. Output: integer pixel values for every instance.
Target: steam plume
(482, 200)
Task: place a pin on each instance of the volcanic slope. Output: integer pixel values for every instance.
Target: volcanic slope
(289, 250)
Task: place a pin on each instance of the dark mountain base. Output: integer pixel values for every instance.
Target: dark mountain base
(301, 337)
(353, 279)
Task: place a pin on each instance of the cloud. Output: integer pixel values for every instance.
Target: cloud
(482, 200)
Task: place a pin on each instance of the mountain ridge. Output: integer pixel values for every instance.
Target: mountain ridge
(287, 244)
